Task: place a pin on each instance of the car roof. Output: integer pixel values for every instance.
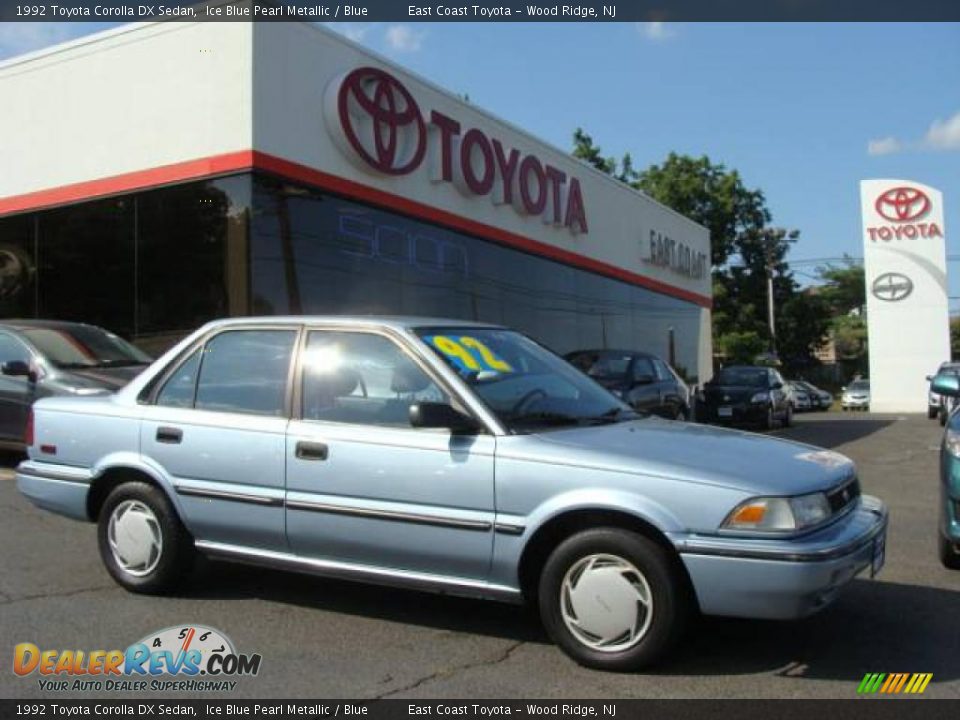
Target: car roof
(20, 324)
(393, 321)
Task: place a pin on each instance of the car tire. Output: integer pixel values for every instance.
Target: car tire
(615, 564)
(768, 419)
(788, 417)
(143, 544)
(949, 557)
(932, 412)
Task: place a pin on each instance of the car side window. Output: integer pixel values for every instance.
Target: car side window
(643, 368)
(180, 387)
(245, 371)
(362, 378)
(663, 372)
(12, 349)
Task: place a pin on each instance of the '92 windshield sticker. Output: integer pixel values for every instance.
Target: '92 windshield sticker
(468, 354)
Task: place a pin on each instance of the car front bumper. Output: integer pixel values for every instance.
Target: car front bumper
(787, 578)
(855, 402)
(740, 413)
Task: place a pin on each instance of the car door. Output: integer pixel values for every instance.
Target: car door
(644, 393)
(17, 393)
(366, 488)
(672, 400)
(218, 428)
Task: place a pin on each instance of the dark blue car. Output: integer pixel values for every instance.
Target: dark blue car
(948, 385)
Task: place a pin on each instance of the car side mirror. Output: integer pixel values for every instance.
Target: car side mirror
(644, 379)
(18, 368)
(442, 415)
(948, 385)
(929, 378)
(776, 385)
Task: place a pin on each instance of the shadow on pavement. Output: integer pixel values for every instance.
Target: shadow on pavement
(830, 431)
(874, 627)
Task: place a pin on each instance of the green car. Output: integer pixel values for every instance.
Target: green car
(949, 533)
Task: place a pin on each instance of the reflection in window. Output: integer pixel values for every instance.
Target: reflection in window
(363, 379)
(245, 371)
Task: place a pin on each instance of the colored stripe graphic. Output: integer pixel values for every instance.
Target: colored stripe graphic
(894, 683)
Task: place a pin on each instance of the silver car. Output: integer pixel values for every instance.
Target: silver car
(454, 457)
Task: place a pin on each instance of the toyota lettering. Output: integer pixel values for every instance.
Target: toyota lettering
(378, 124)
(905, 207)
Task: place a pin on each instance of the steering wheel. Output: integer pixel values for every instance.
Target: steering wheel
(526, 399)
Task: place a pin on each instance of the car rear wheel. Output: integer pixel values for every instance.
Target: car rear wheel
(142, 542)
(942, 417)
(612, 599)
(788, 417)
(932, 412)
(948, 554)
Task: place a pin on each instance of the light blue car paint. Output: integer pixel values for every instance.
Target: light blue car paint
(455, 513)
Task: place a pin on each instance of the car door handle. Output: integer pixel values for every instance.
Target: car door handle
(170, 435)
(312, 451)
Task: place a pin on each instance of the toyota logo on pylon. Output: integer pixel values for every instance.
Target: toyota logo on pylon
(381, 121)
(903, 204)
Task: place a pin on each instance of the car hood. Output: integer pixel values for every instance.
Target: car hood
(104, 378)
(755, 464)
(736, 393)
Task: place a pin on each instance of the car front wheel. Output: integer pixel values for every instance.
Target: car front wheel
(142, 542)
(612, 599)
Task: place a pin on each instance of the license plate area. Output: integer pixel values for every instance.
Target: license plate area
(725, 411)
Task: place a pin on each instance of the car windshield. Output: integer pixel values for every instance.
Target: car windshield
(751, 377)
(76, 347)
(526, 386)
(860, 385)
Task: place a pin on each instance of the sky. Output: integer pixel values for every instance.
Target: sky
(802, 111)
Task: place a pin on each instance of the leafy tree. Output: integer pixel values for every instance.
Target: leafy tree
(741, 348)
(584, 149)
(843, 287)
(710, 195)
(803, 324)
(955, 337)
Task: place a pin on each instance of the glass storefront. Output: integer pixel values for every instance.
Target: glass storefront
(154, 265)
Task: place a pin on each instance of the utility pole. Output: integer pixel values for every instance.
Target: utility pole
(770, 320)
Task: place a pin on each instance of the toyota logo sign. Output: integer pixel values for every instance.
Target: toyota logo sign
(892, 287)
(903, 204)
(378, 125)
(381, 121)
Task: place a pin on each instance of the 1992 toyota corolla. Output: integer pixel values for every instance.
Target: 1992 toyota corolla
(454, 457)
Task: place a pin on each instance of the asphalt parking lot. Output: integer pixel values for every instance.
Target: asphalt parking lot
(322, 638)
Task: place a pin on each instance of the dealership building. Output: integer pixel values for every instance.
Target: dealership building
(160, 175)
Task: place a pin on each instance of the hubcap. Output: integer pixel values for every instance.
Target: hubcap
(135, 539)
(606, 603)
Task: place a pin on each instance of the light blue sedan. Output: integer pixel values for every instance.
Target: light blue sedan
(454, 457)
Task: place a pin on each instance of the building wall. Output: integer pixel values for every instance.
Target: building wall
(129, 101)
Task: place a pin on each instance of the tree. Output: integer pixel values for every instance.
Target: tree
(708, 194)
(803, 324)
(955, 337)
(741, 348)
(584, 149)
(843, 287)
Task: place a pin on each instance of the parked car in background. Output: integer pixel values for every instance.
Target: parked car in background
(948, 536)
(799, 397)
(819, 399)
(746, 395)
(456, 457)
(856, 396)
(939, 406)
(39, 358)
(644, 381)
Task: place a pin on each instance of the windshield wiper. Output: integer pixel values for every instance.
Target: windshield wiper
(545, 418)
(120, 363)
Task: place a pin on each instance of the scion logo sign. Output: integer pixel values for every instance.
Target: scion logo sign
(905, 206)
(892, 287)
(377, 124)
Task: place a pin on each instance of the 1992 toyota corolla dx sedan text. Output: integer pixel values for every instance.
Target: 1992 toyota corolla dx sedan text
(455, 457)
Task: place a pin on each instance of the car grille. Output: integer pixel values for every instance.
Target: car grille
(841, 497)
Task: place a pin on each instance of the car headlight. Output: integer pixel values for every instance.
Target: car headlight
(778, 514)
(760, 397)
(951, 441)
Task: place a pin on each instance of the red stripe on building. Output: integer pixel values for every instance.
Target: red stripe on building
(254, 160)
